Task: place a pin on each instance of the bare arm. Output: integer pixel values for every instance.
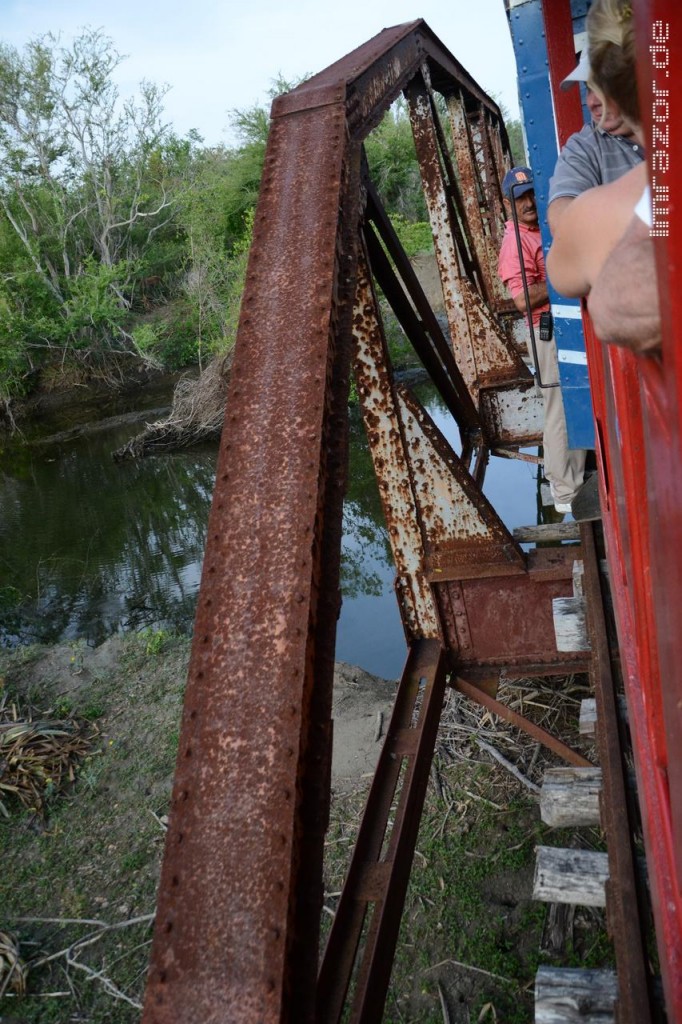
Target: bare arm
(588, 229)
(623, 302)
(555, 210)
(569, 254)
(537, 293)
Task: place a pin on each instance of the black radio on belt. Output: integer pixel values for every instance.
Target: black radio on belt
(546, 326)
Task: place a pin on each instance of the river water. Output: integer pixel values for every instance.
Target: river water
(89, 547)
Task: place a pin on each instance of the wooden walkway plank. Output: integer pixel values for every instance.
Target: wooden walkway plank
(587, 724)
(570, 626)
(570, 996)
(570, 796)
(570, 876)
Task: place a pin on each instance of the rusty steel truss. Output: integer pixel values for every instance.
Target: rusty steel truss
(237, 928)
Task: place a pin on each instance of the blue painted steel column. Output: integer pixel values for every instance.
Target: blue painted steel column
(535, 97)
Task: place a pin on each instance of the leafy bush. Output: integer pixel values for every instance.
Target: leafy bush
(415, 236)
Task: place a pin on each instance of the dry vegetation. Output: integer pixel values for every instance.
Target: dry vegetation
(196, 415)
(471, 937)
(78, 894)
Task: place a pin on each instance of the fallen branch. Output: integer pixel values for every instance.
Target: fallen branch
(508, 765)
(470, 967)
(107, 984)
(196, 415)
(443, 1005)
(102, 929)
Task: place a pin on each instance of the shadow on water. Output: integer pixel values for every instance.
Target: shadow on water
(89, 547)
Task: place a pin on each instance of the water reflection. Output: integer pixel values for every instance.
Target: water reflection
(89, 547)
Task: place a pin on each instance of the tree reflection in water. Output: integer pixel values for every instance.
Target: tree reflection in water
(89, 547)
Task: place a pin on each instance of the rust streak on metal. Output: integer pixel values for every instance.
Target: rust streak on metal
(391, 460)
(507, 619)
(483, 353)
(241, 889)
(459, 524)
(490, 159)
(472, 197)
(512, 414)
(443, 228)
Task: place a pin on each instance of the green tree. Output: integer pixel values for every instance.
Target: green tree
(393, 164)
(216, 214)
(83, 187)
(516, 141)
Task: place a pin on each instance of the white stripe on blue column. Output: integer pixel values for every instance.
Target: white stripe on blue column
(569, 355)
(567, 312)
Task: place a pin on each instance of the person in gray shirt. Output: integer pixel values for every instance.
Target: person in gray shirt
(598, 154)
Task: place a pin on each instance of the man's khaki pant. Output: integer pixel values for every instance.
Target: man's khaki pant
(564, 466)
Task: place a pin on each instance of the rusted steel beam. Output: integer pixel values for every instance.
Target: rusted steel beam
(241, 883)
(459, 525)
(492, 619)
(547, 739)
(374, 74)
(512, 415)
(443, 227)
(391, 462)
(436, 357)
(483, 353)
(435, 347)
(623, 901)
(504, 453)
(464, 228)
(473, 198)
(237, 927)
(376, 881)
(492, 162)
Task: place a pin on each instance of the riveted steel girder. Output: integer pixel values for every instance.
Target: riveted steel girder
(240, 896)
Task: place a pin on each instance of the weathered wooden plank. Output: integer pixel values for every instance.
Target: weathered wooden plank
(570, 626)
(587, 723)
(546, 495)
(570, 796)
(547, 533)
(578, 575)
(570, 996)
(570, 876)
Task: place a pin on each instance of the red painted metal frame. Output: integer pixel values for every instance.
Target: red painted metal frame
(638, 414)
(561, 56)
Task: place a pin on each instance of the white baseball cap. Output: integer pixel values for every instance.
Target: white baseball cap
(580, 73)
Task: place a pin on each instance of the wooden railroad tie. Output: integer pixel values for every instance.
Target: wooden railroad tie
(570, 876)
(569, 996)
(570, 796)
